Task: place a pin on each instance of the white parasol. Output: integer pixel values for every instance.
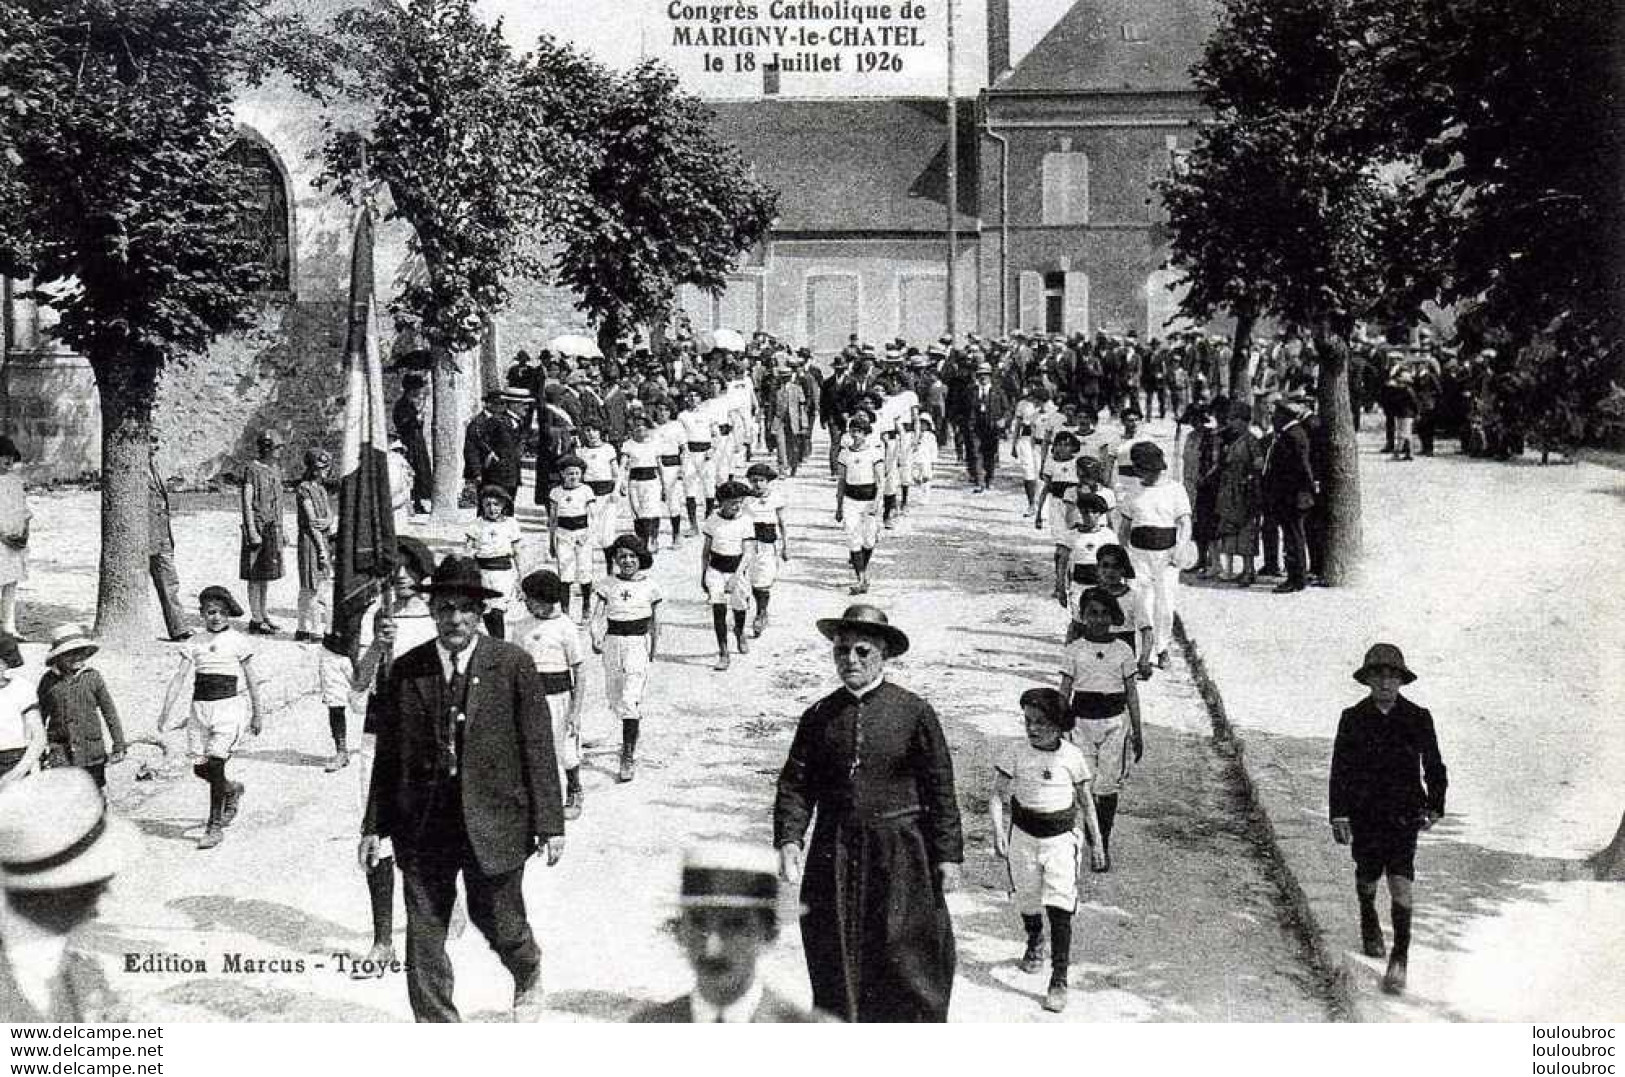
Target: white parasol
(575, 346)
(727, 339)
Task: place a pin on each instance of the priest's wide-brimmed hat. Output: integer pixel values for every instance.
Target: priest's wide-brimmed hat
(867, 620)
(457, 575)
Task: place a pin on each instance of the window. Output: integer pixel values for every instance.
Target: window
(265, 220)
(1066, 188)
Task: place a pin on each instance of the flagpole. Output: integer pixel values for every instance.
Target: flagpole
(952, 299)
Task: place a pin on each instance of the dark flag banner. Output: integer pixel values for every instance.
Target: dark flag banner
(365, 551)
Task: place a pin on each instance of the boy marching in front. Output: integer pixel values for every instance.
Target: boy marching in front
(1098, 683)
(644, 487)
(669, 438)
(554, 643)
(570, 513)
(218, 659)
(730, 540)
(766, 512)
(601, 473)
(1388, 783)
(630, 636)
(861, 465)
(493, 542)
(1048, 783)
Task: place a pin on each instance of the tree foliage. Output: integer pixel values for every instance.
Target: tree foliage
(664, 203)
(476, 153)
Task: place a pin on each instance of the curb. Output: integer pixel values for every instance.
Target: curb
(1337, 969)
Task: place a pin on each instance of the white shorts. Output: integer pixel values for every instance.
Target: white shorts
(604, 522)
(1027, 457)
(764, 566)
(1044, 871)
(501, 580)
(214, 726)
(905, 458)
(727, 587)
(862, 522)
(1060, 521)
(565, 746)
(672, 476)
(575, 559)
(1104, 742)
(922, 470)
(626, 673)
(647, 498)
(699, 481)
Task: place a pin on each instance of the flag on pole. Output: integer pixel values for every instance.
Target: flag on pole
(365, 551)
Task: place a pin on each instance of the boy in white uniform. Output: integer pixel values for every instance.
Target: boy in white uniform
(1048, 782)
(669, 437)
(570, 539)
(602, 476)
(644, 489)
(554, 643)
(766, 512)
(1079, 563)
(1098, 682)
(730, 540)
(1156, 528)
(905, 408)
(629, 638)
(1056, 478)
(861, 465)
(1028, 441)
(925, 456)
(493, 542)
(699, 481)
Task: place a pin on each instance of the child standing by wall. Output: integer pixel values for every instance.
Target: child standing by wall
(630, 603)
(493, 542)
(1048, 782)
(1098, 683)
(1378, 802)
(317, 524)
(220, 662)
(14, 522)
(554, 643)
(74, 702)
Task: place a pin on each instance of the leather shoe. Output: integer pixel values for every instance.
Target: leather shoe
(1393, 981)
(1288, 587)
(182, 636)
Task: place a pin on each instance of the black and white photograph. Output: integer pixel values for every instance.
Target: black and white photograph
(813, 511)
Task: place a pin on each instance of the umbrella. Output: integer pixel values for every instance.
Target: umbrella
(576, 346)
(728, 339)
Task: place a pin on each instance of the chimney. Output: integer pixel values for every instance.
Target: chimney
(998, 40)
(770, 80)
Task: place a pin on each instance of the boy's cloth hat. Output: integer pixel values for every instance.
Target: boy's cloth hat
(414, 556)
(1105, 598)
(216, 593)
(571, 460)
(543, 585)
(457, 575)
(868, 620)
(55, 833)
(1384, 656)
(635, 544)
(66, 639)
(1091, 502)
(761, 470)
(494, 491)
(1113, 550)
(732, 489)
(1048, 701)
(1147, 456)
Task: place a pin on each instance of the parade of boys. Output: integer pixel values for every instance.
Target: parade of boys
(608, 501)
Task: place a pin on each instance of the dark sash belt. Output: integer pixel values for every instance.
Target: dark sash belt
(670, 459)
(639, 627)
(1059, 489)
(1098, 704)
(600, 487)
(208, 687)
(644, 474)
(726, 562)
(1153, 538)
(572, 523)
(861, 492)
(699, 446)
(1043, 824)
(767, 532)
(1086, 573)
(725, 429)
(556, 683)
(494, 564)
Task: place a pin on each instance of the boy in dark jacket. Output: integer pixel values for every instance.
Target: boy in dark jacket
(1387, 785)
(74, 703)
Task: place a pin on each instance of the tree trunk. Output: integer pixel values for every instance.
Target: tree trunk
(127, 388)
(448, 431)
(1340, 486)
(492, 374)
(609, 332)
(1241, 359)
(1610, 863)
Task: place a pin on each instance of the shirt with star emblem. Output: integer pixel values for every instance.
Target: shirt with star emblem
(1044, 781)
(220, 653)
(1098, 667)
(629, 600)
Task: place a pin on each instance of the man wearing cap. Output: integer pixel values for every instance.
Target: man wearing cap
(465, 783)
(491, 443)
(987, 411)
(59, 850)
(260, 561)
(871, 762)
(1289, 488)
(1377, 803)
(730, 910)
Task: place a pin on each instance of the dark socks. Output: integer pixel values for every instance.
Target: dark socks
(1032, 493)
(739, 622)
(1106, 808)
(1060, 942)
(866, 554)
(495, 623)
(762, 596)
(336, 722)
(572, 780)
(1402, 931)
(888, 505)
(719, 625)
(1033, 923)
(904, 502)
(856, 557)
(710, 503)
(629, 737)
(215, 774)
(676, 527)
(381, 895)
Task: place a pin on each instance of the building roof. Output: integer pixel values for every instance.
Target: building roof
(855, 165)
(1117, 45)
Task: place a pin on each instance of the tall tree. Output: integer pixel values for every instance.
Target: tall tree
(476, 157)
(118, 194)
(666, 203)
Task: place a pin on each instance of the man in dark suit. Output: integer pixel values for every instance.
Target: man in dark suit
(731, 904)
(987, 411)
(491, 442)
(161, 551)
(1289, 488)
(465, 783)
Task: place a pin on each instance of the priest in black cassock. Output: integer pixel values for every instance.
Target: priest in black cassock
(870, 762)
